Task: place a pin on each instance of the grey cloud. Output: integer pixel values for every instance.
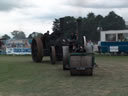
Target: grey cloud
(48, 17)
(99, 3)
(51, 15)
(6, 5)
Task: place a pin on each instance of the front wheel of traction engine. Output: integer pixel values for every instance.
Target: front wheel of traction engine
(65, 57)
(37, 50)
(53, 55)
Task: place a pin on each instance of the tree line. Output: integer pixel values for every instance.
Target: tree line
(21, 35)
(91, 25)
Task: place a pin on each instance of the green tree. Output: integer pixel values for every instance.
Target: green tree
(99, 20)
(91, 27)
(6, 37)
(69, 26)
(34, 35)
(91, 16)
(18, 34)
(113, 22)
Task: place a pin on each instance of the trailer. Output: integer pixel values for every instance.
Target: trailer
(114, 41)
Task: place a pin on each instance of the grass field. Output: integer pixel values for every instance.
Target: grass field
(19, 76)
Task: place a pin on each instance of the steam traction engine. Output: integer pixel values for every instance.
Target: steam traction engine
(73, 52)
(77, 57)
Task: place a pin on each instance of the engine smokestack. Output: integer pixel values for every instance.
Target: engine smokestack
(79, 32)
(61, 24)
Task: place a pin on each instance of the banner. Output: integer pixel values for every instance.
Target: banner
(18, 51)
(19, 47)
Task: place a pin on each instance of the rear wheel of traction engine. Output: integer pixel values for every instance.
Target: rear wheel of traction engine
(53, 55)
(65, 57)
(37, 50)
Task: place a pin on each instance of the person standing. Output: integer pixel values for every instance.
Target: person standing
(99, 46)
(89, 48)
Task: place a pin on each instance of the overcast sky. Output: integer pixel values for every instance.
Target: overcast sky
(38, 15)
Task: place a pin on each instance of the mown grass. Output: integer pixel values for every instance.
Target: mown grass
(19, 76)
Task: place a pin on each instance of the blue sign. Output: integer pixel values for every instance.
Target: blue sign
(22, 50)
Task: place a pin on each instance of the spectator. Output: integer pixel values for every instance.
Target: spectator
(99, 46)
(89, 48)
